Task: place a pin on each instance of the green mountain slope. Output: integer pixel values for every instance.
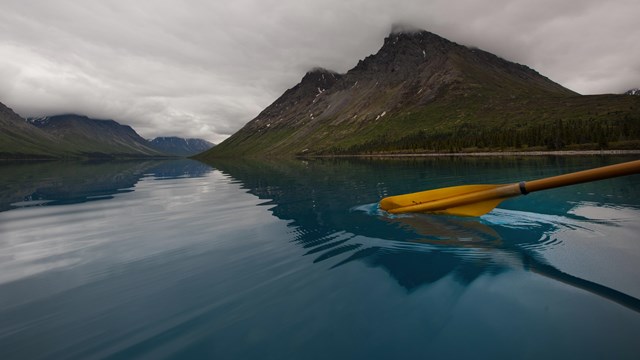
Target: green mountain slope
(21, 140)
(421, 92)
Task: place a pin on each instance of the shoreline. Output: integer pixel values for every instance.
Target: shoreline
(489, 153)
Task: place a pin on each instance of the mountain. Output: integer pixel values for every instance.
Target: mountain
(77, 136)
(20, 139)
(95, 138)
(180, 147)
(633, 92)
(68, 136)
(423, 93)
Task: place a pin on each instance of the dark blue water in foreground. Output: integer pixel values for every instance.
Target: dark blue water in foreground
(292, 260)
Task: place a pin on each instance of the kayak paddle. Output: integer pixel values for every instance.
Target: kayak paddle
(477, 200)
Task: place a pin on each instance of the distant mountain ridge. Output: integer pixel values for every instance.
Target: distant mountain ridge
(94, 137)
(421, 92)
(633, 92)
(180, 147)
(78, 136)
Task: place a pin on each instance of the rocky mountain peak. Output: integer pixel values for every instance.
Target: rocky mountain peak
(314, 83)
(320, 78)
(416, 36)
(635, 91)
(400, 28)
(37, 121)
(405, 49)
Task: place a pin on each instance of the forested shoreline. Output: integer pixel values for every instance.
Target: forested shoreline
(564, 135)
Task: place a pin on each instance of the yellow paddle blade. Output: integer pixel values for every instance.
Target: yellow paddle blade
(398, 201)
(465, 200)
(475, 209)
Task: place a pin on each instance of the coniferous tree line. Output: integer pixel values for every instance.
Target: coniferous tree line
(563, 134)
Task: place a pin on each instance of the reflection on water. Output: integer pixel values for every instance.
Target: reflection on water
(44, 239)
(180, 259)
(465, 248)
(59, 183)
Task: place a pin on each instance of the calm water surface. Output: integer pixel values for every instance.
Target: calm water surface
(292, 260)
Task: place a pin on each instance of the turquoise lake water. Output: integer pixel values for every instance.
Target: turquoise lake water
(293, 260)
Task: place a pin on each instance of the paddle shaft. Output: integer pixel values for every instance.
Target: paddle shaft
(605, 172)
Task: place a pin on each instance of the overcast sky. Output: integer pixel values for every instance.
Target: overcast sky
(204, 68)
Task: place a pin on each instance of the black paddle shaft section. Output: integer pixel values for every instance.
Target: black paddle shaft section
(523, 188)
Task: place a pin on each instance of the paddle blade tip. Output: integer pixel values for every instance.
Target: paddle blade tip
(387, 204)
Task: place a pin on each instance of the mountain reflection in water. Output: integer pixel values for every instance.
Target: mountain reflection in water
(58, 183)
(316, 195)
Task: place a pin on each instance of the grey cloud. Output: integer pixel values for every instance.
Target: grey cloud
(199, 68)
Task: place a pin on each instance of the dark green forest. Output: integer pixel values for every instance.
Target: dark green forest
(574, 134)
